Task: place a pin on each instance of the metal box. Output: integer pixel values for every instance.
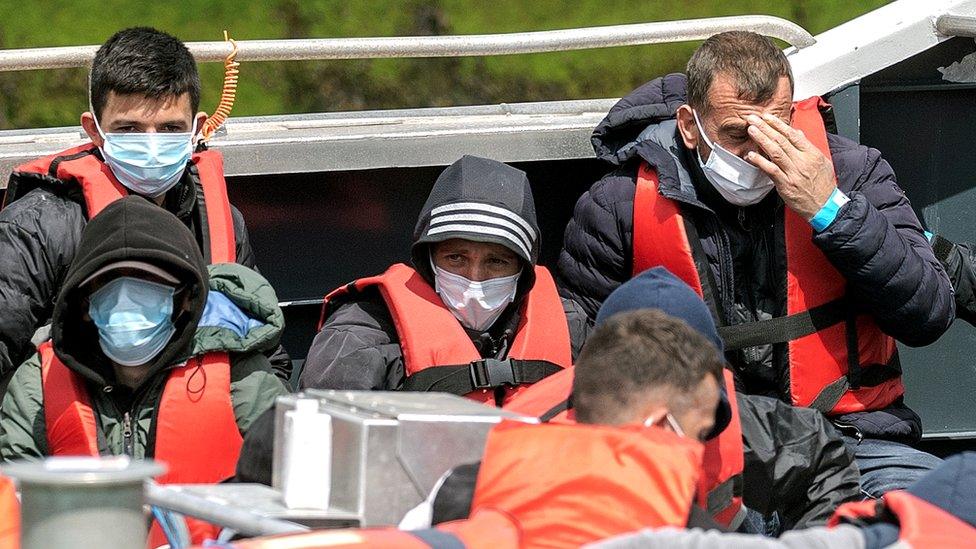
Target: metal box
(390, 448)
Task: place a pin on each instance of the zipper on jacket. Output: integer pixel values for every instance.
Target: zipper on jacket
(849, 429)
(727, 289)
(127, 435)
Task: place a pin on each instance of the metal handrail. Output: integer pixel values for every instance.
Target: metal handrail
(241, 521)
(439, 46)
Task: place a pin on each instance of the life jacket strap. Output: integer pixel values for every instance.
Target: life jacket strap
(784, 328)
(486, 373)
(829, 396)
(556, 410)
(721, 496)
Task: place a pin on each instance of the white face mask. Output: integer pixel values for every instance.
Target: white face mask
(476, 305)
(738, 181)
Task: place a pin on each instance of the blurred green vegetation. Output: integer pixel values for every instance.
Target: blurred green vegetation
(56, 98)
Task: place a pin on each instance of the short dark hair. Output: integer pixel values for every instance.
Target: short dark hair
(634, 353)
(752, 60)
(144, 61)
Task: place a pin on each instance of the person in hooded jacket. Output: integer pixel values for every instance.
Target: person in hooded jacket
(143, 122)
(151, 354)
(805, 230)
(474, 314)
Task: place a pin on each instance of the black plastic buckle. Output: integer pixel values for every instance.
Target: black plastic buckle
(488, 373)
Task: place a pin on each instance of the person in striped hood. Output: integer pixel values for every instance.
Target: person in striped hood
(473, 315)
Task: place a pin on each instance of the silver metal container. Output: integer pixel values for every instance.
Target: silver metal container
(83, 502)
(390, 448)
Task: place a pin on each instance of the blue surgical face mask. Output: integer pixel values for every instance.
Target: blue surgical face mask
(148, 164)
(134, 318)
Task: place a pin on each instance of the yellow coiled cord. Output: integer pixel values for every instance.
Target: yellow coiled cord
(227, 94)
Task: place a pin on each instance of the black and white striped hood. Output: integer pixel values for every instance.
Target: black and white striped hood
(482, 200)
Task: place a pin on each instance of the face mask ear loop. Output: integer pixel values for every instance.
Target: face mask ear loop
(195, 139)
(98, 126)
(674, 425)
(701, 130)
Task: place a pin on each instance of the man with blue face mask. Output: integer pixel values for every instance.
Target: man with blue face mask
(807, 252)
(474, 315)
(143, 125)
(152, 353)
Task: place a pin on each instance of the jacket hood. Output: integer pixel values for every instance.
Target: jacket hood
(242, 313)
(643, 126)
(657, 288)
(482, 200)
(130, 229)
(617, 137)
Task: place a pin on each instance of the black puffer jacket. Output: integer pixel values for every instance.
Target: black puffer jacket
(876, 242)
(39, 233)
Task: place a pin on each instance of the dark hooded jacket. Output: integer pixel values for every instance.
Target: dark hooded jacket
(358, 348)
(40, 231)
(875, 242)
(134, 229)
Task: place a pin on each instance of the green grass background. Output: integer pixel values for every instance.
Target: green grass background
(57, 97)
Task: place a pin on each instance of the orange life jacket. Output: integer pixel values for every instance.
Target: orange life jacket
(484, 530)
(439, 356)
(720, 485)
(9, 515)
(567, 485)
(81, 166)
(196, 432)
(839, 361)
(921, 524)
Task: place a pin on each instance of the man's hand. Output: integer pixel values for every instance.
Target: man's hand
(803, 176)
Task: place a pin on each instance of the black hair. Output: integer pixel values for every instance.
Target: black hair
(145, 61)
(634, 354)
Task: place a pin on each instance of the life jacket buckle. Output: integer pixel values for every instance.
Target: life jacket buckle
(489, 373)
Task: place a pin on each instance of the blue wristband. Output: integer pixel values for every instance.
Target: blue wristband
(828, 212)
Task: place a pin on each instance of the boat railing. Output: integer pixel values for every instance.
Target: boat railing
(439, 46)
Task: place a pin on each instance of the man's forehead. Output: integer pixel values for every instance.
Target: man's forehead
(142, 106)
(462, 244)
(725, 101)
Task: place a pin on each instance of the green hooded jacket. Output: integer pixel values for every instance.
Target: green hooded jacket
(134, 229)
